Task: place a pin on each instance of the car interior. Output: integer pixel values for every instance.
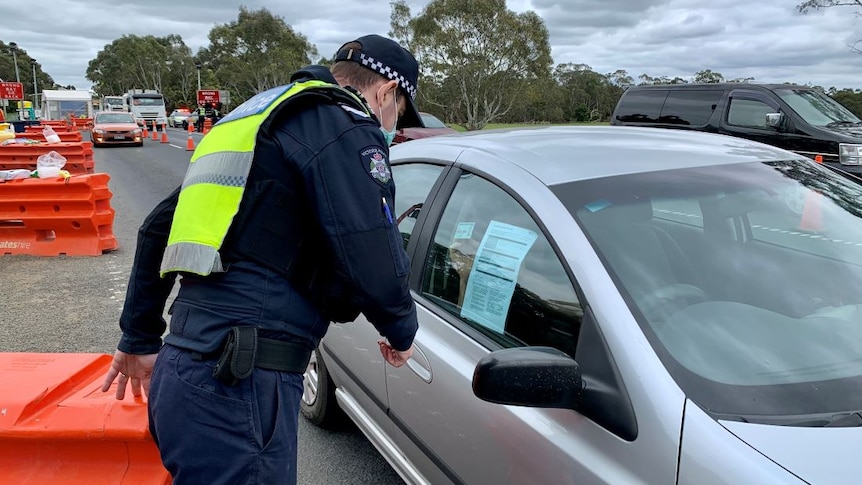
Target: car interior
(734, 288)
(543, 310)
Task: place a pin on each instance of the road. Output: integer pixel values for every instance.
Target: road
(72, 304)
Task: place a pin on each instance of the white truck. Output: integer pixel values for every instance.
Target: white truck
(147, 106)
(113, 103)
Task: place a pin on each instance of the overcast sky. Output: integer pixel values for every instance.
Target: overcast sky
(767, 40)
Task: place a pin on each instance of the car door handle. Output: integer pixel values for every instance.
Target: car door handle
(419, 364)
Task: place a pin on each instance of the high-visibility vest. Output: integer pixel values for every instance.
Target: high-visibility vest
(215, 180)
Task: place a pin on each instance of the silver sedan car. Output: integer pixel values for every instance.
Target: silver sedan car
(614, 305)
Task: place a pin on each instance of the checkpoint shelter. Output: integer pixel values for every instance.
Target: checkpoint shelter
(62, 104)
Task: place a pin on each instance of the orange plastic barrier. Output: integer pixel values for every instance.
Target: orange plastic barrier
(50, 217)
(58, 427)
(56, 123)
(66, 136)
(79, 156)
(82, 123)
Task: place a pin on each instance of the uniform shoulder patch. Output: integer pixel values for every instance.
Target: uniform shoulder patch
(374, 159)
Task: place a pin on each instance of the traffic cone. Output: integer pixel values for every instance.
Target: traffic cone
(190, 144)
(191, 127)
(145, 134)
(164, 134)
(812, 212)
(155, 133)
(818, 158)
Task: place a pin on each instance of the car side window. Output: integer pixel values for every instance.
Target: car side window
(413, 183)
(491, 266)
(749, 113)
(641, 106)
(690, 107)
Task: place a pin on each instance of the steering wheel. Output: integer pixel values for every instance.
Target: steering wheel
(663, 302)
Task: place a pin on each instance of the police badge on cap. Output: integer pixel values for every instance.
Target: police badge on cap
(390, 60)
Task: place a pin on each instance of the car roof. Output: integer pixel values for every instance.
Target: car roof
(560, 154)
(717, 86)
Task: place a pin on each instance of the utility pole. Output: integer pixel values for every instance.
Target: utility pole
(14, 48)
(35, 87)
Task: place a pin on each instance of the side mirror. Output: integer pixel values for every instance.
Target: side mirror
(774, 120)
(540, 377)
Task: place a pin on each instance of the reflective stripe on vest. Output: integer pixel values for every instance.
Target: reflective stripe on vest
(215, 181)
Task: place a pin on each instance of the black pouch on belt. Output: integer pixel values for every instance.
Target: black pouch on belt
(238, 357)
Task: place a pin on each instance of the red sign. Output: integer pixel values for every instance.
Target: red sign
(13, 91)
(208, 96)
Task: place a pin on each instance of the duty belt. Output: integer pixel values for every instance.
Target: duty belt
(243, 350)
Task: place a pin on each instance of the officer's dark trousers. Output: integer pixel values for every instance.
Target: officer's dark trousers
(210, 433)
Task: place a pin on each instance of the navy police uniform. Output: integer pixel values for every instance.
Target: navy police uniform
(314, 240)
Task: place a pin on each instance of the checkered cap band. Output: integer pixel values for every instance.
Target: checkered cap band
(387, 71)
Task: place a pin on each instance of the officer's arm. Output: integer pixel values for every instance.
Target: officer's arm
(347, 183)
(141, 321)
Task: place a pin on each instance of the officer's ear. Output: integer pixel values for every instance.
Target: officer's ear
(385, 92)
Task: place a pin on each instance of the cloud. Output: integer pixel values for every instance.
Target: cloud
(768, 40)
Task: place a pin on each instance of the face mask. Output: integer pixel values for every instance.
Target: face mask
(389, 135)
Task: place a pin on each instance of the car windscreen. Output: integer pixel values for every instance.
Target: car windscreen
(114, 118)
(431, 121)
(816, 108)
(746, 279)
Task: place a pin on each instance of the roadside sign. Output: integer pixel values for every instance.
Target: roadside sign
(11, 90)
(208, 96)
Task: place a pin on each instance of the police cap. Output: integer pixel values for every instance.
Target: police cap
(388, 58)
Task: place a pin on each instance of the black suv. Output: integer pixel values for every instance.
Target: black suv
(788, 116)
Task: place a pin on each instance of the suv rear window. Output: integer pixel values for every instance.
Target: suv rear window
(641, 106)
(689, 107)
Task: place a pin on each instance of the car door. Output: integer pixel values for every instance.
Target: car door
(745, 117)
(352, 348)
(492, 279)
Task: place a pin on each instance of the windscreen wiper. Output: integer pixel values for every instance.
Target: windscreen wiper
(846, 420)
(850, 419)
(843, 123)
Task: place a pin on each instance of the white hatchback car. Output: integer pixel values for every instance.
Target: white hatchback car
(614, 305)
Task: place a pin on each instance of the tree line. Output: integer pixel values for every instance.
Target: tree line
(26, 67)
(481, 63)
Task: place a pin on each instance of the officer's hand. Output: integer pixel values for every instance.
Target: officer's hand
(396, 358)
(134, 370)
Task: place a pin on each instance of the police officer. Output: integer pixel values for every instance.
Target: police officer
(282, 224)
(202, 113)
